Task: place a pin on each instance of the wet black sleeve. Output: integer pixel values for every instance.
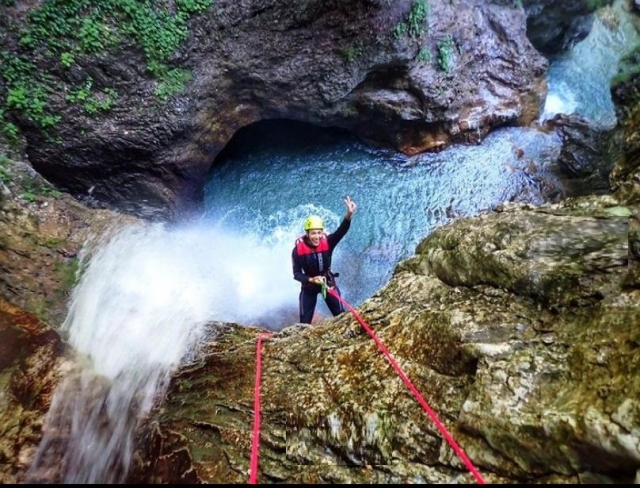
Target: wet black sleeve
(340, 232)
(298, 274)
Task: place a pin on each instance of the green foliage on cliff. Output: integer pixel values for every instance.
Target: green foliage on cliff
(629, 67)
(59, 33)
(596, 4)
(445, 54)
(416, 24)
(5, 176)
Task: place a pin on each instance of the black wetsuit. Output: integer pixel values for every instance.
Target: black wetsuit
(308, 262)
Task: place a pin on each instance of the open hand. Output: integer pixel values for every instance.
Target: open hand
(351, 206)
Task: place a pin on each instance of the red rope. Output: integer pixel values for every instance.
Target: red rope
(253, 472)
(413, 389)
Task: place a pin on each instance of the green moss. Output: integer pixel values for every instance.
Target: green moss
(60, 32)
(5, 162)
(69, 273)
(416, 24)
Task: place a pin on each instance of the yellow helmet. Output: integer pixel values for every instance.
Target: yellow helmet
(313, 222)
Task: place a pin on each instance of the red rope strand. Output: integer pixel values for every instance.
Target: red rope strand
(253, 471)
(413, 389)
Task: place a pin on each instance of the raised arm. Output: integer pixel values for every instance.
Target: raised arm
(351, 207)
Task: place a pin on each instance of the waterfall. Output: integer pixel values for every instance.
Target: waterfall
(142, 302)
(579, 78)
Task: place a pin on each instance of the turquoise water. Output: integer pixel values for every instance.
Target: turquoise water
(579, 79)
(272, 175)
(276, 173)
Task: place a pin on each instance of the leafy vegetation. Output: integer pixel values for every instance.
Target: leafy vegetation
(69, 273)
(417, 21)
(509, 3)
(351, 53)
(445, 53)
(30, 187)
(91, 102)
(629, 67)
(5, 176)
(172, 82)
(424, 56)
(596, 4)
(61, 32)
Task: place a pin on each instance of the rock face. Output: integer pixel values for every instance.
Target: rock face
(42, 234)
(587, 156)
(40, 241)
(516, 328)
(32, 362)
(414, 75)
(554, 27)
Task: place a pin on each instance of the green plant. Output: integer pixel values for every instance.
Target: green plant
(62, 31)
(417, 17)
(416, 23)
(509, 3)
(48, 190)
(67, 59)
(5, 176)
(445, 54)
(53, 242)
(172, 82)
(400, 30)
(25, 93)
(424, 56)
(7, 129)
(93, 103)
(352, 52)
(628, 67)
(69, 273)
(32, 189)
(596, 4)
(29, 196)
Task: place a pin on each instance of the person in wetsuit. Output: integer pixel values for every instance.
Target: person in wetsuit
(311, 258)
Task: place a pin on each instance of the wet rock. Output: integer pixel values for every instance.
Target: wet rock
(462, 71)
(4, 192)
(32, 363)
(554, 27)
(588, 154)
(490, 335)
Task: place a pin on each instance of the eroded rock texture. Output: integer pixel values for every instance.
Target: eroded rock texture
(32, 362)
(464, 68)
(516, 328)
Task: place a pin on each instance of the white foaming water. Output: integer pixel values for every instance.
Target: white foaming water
(561, 101)
(140, 306)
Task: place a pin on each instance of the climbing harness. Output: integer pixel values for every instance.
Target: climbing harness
(445, 433)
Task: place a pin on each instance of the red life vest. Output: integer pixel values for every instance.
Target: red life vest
(303, 248)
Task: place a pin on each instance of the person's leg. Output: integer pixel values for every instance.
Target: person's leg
(333, 303)
(307, 304)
